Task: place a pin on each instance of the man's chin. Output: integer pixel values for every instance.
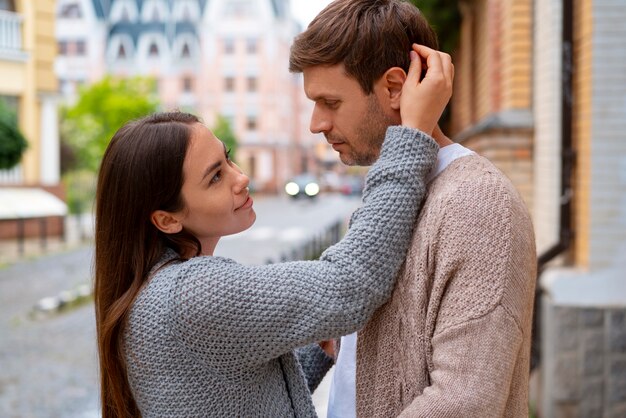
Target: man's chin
(347, 159)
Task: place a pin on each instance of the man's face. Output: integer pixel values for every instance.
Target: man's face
(353, 122)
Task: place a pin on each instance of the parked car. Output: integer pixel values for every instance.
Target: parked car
(352, 185)
(303, 185)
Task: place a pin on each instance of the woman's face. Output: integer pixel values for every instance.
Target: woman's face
(215, 191)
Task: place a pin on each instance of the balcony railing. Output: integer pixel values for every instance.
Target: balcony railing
(11, 36)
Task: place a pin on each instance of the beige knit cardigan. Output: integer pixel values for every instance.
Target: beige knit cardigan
(454, 339)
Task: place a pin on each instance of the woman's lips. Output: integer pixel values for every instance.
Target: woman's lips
(247, 204)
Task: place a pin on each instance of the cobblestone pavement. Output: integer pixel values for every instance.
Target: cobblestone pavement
(47, 365)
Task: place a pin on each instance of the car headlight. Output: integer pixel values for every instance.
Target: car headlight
(292, 188)
(312, 189)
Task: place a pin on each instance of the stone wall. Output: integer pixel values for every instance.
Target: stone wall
(583, 346)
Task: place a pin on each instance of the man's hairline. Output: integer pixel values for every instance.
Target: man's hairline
(301, 70)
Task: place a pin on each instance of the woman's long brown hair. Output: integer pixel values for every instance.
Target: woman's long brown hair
(141, 171)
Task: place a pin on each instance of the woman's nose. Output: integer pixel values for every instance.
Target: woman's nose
(242, 181)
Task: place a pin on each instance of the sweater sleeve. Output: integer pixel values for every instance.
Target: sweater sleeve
(232, 316)
(485, 263)
(315, 364)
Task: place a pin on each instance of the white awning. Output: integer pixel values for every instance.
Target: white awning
(17, 203)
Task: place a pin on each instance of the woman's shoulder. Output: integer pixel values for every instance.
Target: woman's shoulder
(171, 265)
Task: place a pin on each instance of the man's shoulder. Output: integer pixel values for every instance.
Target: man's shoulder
(473, 181)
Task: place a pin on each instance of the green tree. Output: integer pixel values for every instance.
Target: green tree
(225, 133)
(445, 18)
(12, 142)
(101, 109)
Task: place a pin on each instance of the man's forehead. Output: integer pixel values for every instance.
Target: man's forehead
(327, 80)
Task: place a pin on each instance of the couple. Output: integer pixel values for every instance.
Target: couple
(434, 304)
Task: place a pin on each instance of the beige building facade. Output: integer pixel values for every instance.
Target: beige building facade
(28, 85)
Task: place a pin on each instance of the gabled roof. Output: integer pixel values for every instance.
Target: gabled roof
(103, 7)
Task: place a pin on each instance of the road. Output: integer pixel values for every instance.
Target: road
(48, 365)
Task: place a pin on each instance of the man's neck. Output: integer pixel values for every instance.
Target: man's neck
(440, 138)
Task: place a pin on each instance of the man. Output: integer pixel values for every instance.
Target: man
(454, 339)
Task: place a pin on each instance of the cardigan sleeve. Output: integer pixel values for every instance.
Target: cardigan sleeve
(485, 259)
(231, 316)
(471, 375)
(315, 364)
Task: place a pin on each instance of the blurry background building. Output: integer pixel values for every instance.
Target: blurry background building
(28, 86)
(541, 91)
(219, 57)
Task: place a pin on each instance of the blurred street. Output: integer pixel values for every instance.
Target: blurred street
(48, 364)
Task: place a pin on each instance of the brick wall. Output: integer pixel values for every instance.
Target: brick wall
(491, 104)
(582, 125)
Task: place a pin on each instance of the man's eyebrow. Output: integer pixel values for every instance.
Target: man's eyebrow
(323, 96)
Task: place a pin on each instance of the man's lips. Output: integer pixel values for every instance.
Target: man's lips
(247, 204)
(335, 143)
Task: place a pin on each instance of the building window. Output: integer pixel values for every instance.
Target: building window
(240, 8)
(251, 123)
(125, 16)
(155, 15)
(63, 48)
(187, 84)
(229, 46)
(229, 84)
(121, 52)
(186, 14)
(185, 53)
(252, 84)
(81, 48)
(153, 51)
(71, 11)
(251, 46)
(8, 5)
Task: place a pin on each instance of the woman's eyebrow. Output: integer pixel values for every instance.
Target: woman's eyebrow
(210, 169)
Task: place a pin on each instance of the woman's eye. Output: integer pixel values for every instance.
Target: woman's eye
(217, 177)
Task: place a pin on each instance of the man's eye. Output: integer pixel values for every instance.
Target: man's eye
(331, 103)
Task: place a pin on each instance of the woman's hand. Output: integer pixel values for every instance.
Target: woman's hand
(423, 102)
(329, 347)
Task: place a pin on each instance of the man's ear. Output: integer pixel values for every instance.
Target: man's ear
(393, 80)
(166, 222)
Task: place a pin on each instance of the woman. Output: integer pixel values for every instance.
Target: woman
(183, 333)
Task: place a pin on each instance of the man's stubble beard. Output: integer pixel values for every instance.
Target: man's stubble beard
(370, 135)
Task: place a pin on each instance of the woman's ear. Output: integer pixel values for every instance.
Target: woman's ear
(394, 80)
(166, 222)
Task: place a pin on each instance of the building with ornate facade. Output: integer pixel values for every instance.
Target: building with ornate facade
(218, 57)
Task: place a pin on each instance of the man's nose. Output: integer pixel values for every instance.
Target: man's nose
(320, 123)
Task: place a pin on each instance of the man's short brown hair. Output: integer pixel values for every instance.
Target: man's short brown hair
(367, 36)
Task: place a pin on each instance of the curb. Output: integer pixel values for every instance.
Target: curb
(62, 301)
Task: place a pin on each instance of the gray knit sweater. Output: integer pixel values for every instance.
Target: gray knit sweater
(211, 337)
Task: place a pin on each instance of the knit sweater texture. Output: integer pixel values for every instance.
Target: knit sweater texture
(209, 337)
(454, 339)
